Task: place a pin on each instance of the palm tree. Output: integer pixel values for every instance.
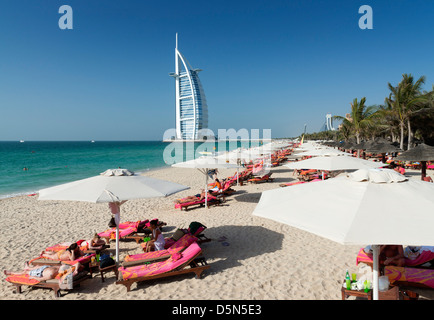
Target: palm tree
(404, 101)
(360, 119)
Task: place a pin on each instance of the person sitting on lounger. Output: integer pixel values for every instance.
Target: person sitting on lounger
(96, 243)
(72, 253)
(157, 241)
(392, 255)
(217, 186)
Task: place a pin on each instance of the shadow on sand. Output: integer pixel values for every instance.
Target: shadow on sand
(232, 244)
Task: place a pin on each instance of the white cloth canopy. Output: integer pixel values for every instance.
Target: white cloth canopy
(204, 164)
(322, 152)
(113, 186)
(334, 163)
(376, 206)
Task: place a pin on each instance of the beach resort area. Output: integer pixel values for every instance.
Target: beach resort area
(227, 252)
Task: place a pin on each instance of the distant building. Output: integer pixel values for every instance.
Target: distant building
(328, 124)
(191, 106)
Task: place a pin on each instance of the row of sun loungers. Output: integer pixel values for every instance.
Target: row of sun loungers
(181, 255)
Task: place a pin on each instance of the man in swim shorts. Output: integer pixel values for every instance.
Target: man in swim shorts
(39, 272)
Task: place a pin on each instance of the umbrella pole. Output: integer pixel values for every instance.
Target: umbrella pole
(376, 255)
(423, 163)
(117, 243)
(206, 188)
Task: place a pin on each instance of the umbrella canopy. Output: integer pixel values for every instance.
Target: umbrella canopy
(383, 148)
(371, 143)
(334, 163)
(422, 153)
(347, 209)
(322, 152)
(113, 186)
(348, 144)
(204, 164)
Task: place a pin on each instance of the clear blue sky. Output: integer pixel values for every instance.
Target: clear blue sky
(266, 64)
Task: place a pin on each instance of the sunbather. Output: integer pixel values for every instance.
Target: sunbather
(38, 272)
(197, 197)
(70, 254)
(96, 243)
(43, 272)
(392, 255)
(157, 241)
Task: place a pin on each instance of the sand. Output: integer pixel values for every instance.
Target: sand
(262, 259)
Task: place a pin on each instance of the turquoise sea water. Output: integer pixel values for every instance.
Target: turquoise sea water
(51, 163)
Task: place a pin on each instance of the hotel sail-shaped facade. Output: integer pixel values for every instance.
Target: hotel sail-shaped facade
(191, 106)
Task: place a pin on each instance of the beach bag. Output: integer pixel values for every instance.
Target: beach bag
(195, 226)
(112, 223)
(178, 234)
(105, 261)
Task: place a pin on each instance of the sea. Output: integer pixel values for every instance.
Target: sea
(28, 166)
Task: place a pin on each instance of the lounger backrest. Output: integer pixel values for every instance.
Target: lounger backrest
(185, 241)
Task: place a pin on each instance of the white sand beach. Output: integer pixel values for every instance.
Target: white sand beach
(264, 259)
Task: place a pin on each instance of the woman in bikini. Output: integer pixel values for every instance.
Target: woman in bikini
(70, 254)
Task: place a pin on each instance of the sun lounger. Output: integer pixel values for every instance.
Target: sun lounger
(141, 258)
(195, 229)
(291, 183)
(175, 265)
(129, 230)
(211, 200)
(84, 247)
(262, 179)
(54, 284)
(412, 274)
(226, 190)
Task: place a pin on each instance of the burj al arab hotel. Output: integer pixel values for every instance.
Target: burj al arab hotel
(191, 107)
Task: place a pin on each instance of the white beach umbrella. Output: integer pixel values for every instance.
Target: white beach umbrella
(204, 164)
(346, 210)
(331, 163)
(114, 186)
(322, 152)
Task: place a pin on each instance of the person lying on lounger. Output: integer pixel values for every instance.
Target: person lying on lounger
(72, 253)
(43, 272)
(197, 197)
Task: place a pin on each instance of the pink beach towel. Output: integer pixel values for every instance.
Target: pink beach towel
(177, 246)
(412, 275)
(422, 258)
(175, 261)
